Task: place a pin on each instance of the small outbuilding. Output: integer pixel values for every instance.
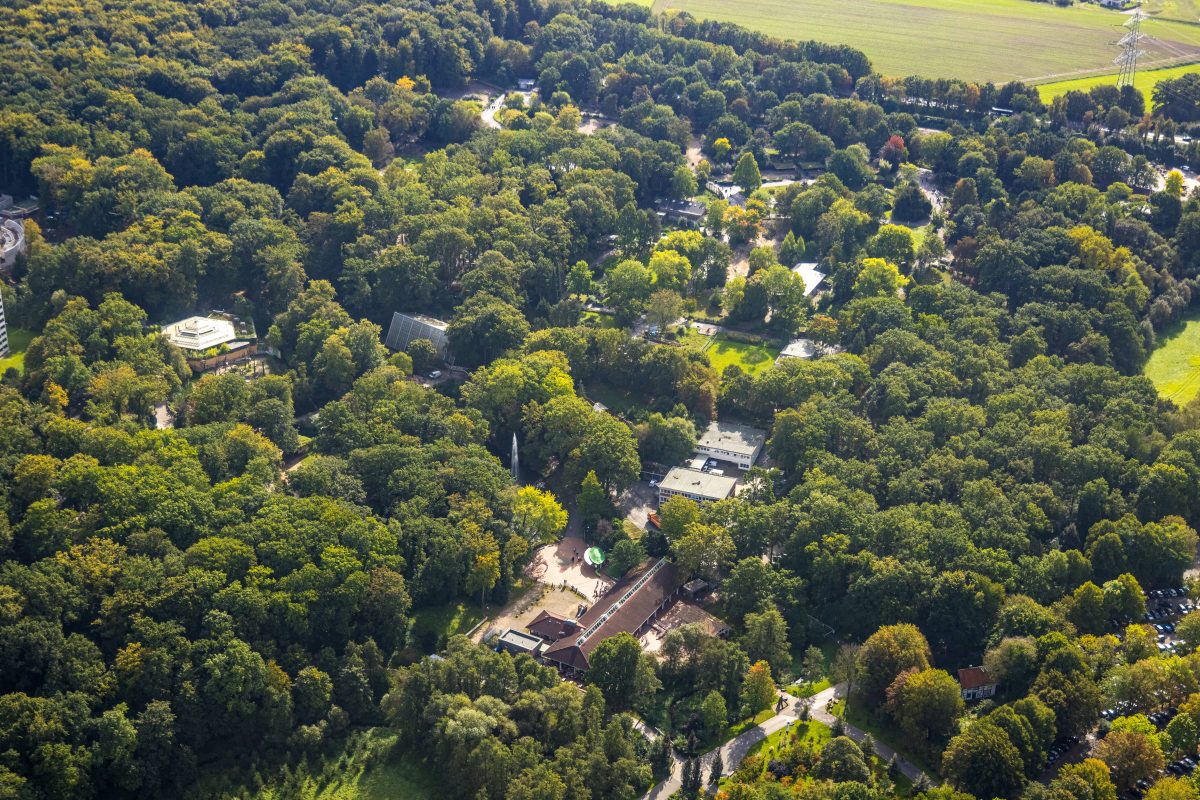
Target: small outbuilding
(515, 642)
(797, 348)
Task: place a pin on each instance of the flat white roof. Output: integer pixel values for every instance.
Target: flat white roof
(741, 439)
(701, 484)
(799, 348)
(525, 640)
(200, 333)
(811, 276)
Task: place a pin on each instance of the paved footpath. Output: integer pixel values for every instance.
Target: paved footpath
(733, 751)
(820, 699)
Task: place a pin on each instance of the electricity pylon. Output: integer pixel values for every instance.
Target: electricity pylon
(1131, 49)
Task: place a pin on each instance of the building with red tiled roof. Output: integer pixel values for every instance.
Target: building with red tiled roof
(629, 607)
(977, 683)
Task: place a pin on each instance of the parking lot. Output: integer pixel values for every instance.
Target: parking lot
(1180, 767)
(1163, 608)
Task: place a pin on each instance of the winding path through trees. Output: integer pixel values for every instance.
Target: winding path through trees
(733, 751)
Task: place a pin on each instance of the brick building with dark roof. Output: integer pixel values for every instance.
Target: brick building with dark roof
(629, 607)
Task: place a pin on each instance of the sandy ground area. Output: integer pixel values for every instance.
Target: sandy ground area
(592, 124)
(562, 602)
(638, 502)
(562, 564)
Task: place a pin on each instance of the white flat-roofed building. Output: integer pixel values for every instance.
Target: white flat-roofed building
(12, 243)
(197, 334)
(703, 487)
(406, 326)
(725, 441)
(516, 642)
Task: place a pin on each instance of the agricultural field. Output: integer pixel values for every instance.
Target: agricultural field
(1174, 366)
(968, 39)
(1185, 10)
(1144, 81)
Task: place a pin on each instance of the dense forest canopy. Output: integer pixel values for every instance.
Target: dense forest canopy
(972, 471)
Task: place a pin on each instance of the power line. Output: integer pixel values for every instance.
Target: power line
(1131, 49)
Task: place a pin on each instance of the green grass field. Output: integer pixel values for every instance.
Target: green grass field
(723, 351)
(811, 732)
(753, 358)
(18, 341)
(1144, 81)
(1185, 10)
(996, 40)
(433, 626)
(368, 769)
(1174, 366)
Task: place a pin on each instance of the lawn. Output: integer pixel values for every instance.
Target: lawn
(600, 320)
(18, 341)
(368, 769)
(969, 39)
(1144, 82)
(433, 626)
(805, 690)
(811, 732)
(723, 350)
(1174, 366)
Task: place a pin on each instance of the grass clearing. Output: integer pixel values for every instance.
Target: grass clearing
(600, 320)
(811, 732)
(1174, 366)
(969, 39)
(433, 626)
(806, 690)
(1144, 82)
(724, 350)
(18, 343)
(372, 770)
(753, 358)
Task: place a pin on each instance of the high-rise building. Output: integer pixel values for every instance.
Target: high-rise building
(3, 332)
